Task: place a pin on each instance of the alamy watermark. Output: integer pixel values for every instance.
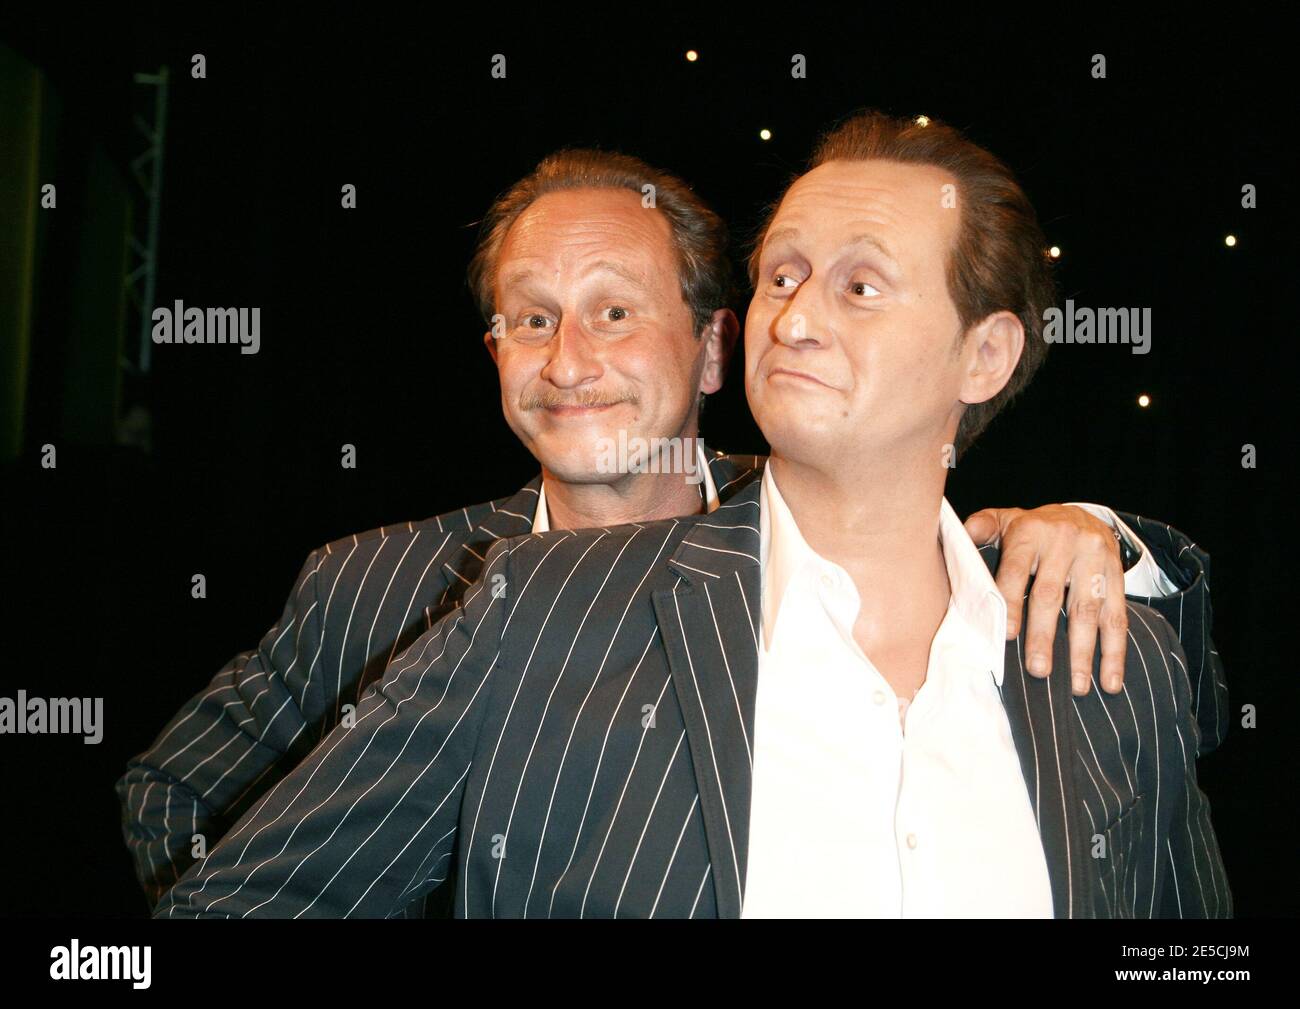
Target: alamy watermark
(1101, 325)
(179, 324)
(648, 455)
(83, 716)
(76, 962)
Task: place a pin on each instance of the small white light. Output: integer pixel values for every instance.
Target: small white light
(1230, 241)
(691, 55)
(1144, 400)
(1054, 252)
(922, 120)
(765, 134)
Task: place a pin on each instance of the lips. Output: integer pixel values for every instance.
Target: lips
(798, 375)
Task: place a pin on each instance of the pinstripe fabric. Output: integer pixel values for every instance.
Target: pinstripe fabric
(357, 602)
(1112, 779)
(1191, 615)
(578, 737)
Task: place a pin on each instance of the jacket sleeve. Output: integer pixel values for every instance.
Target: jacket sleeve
(250, 722)
(1195, 883)
(1191, 615)
(364, 824)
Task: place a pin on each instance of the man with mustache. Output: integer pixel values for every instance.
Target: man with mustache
(590, 341)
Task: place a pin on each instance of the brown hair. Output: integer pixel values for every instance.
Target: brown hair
(699, 235)
(999, 260)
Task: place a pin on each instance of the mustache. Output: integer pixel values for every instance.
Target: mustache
(544, 399)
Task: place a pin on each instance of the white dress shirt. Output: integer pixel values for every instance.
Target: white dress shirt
(863, 805)
(542, 518)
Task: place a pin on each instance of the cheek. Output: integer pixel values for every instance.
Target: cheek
(657, 362)
(924, 381)
(516, 369)
(511, 375)
(753, 352)
(758, 323)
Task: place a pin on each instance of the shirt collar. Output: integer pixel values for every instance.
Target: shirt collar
(975, 596)
(542, 518)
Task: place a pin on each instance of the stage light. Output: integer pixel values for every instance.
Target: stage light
(1144, 400)
(691, 55)
(1054, 252)
(1230, 241)
(765, 134)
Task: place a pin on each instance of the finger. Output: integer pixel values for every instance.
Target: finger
(1114, 630)
(984, 526)
(1084, 608)
(1045, 601)
(1016, 564)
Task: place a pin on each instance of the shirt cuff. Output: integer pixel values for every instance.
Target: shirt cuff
(1145, 577)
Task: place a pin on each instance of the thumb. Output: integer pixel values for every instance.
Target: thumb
(984, 526)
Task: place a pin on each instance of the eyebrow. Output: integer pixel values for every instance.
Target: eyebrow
(865, 238)
(619, 270)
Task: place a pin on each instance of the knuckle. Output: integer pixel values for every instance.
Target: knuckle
(1032, 522)
(1095, 540)
(1046, 589)
(1116, 620)
(1089, 609)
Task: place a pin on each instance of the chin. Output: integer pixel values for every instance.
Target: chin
(792, 419)
(808, 437)
(573, 463)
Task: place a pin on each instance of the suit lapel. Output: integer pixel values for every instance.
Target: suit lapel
(708, 624)
(730, 472)
(1041, 715)
(514, 515)
(484, 524)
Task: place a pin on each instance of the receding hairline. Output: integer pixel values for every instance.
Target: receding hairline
(609, 264)
(766, 234)
(697, 234)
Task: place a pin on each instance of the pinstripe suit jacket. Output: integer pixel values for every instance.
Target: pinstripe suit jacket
(578, 739)
(357, 601)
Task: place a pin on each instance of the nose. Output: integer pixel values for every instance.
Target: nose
(798, 322)
(571, 363)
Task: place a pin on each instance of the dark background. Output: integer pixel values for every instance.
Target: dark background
(369, 335)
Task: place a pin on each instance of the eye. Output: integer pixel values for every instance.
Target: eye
(863, 290)
(532, 328)
(784, 281)
(616, 313)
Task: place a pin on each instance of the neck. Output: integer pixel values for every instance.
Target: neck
(634, 497)
(881, 524)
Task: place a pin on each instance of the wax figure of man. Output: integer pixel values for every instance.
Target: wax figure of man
(594, 343)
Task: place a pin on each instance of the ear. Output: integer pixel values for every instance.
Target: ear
(719, 339)
(991, 349)
(490, 342)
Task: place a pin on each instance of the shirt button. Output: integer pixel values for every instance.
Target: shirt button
(878, 697)
(911, 840)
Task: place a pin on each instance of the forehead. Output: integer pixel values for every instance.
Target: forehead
(903, 204)
(582, 224)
